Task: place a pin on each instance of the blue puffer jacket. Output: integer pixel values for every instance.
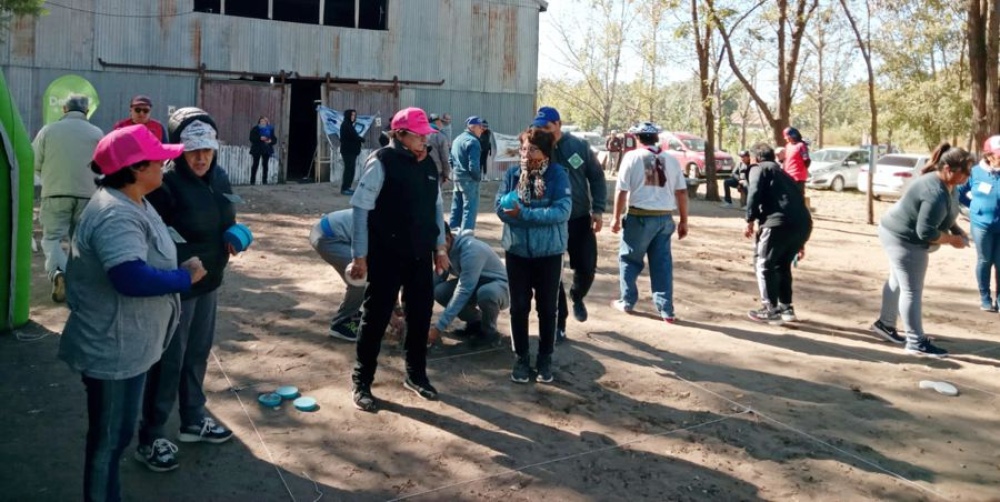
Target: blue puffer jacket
(981, 194)
(540, 229)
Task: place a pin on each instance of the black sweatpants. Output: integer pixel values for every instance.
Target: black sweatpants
(776, 248)
(582, 248)
(387, 274)
(538, 277)
(262, 161)
(347, 180)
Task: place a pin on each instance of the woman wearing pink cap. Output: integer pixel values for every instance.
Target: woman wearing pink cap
(123, 296)
(398, 243)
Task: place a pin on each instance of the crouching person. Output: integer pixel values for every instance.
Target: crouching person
(477, 294)
(331, 238)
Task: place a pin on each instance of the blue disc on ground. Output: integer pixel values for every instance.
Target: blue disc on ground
(270, 399)
(288, 392)
(305, 404)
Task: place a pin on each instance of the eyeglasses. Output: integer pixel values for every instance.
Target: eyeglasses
(530, 149)
(141, 110)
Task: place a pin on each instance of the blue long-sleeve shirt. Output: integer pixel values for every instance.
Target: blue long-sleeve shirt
(981, 194)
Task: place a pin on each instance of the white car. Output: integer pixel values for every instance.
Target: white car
(836, 168)
(893, 174)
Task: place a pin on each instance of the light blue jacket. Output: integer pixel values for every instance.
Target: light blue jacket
(981, 194)
(465, 151)
(540, 229)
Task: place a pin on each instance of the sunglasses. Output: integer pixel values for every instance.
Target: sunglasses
(141, 110)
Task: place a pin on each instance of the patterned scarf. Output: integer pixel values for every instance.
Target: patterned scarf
(661, 174)
(531, 185)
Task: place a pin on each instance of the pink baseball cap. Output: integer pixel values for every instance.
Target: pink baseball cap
(992, 145)
(131, 145)
(413, 120)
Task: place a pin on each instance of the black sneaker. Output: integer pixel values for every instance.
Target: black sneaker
(560, 335)
(363, 398)
(159, 456)
(347, 192)
(422, 388)
(59, 287)
(345, 331)
(522, 370)
(765, 314)
(206, 432)
(925, 348)
(787, 313)
(887, 332)
(580, 311)
(544, 368)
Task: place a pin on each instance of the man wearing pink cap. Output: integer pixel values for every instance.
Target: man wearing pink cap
(141, 112)
(398, 243)
(123, 295)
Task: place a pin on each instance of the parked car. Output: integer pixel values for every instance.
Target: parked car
(836, 168)
(689, 150)
(596, 141)
(893, 174)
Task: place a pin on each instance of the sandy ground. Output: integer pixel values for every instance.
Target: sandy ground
(712, 408)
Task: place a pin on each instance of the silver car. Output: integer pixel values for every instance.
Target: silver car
(836, 168)
(894, 173)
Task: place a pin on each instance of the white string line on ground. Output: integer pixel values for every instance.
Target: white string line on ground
(467, 354)
(802, 433)
(568, 457)
(261, 437)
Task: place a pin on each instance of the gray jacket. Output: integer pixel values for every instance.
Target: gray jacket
(473, 261)
(440, 153)
(63, 150)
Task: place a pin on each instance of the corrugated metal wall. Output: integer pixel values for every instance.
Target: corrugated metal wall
(486, 51)
(115, 90)
(507, 113)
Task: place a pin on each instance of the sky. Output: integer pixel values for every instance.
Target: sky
(548, 40)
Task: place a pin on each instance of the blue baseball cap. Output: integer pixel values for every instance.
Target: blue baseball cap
(545, 115)
(474, 121)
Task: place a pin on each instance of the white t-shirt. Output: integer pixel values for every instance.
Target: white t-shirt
(638, 177)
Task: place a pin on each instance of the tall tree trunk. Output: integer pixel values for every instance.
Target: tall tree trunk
(702, 40)
(992, 60)
(821, 102)
(865, 46)
(976, 33)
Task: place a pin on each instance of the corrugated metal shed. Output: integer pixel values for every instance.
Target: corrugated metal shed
(485, 51)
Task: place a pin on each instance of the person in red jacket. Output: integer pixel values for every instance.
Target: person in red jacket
(140, 112)
(797, 160)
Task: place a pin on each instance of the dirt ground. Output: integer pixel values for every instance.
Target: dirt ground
(712, 408)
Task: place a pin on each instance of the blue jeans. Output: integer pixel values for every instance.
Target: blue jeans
(464, 205)
(988, 253)
(642, 236)
(112, 408)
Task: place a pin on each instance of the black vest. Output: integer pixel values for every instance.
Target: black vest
(404, 221)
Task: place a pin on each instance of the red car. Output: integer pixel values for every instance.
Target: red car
(689, 150)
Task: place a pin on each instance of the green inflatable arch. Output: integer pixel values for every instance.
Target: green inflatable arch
(17, 193)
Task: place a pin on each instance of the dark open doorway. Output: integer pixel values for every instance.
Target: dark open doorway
(302, 127)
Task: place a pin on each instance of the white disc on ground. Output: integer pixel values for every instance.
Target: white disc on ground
(941, 387)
